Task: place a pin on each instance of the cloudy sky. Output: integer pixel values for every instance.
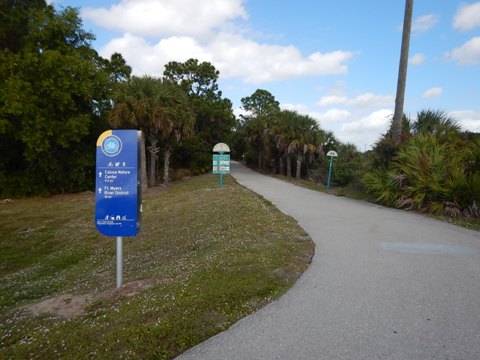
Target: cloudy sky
(335, 60)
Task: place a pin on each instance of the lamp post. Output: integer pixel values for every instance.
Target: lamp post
(331, 154)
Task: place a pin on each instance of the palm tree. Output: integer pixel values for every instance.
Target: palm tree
(296, 135)
(255, 131)
(330, 142)
(402, 73)
(435, 123)
(284, 133)
(159, 109)
(348, 151)
(176, 124)
(127, 113)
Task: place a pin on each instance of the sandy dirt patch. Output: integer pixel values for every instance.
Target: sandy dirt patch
(68, 305)
(64, 306)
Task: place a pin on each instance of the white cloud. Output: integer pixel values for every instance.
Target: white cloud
(467, 17)
(433, 92)
(417, 59)
(366, 100)
(468, 119)
(237, 56)
(181, 29)
(467, 54)
(167, 17)
(424, 23)
(332, 100)
(378, 120)
(367, 130)
(154, 57)
(300, 108)
(259, 63)
(333, 116)
(360, 127)
(371, 100)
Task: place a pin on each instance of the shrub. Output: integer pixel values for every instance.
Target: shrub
(429, 175)
(345, 172)
(180, 174)
(194, 154)
(381, 184)
(383, 153)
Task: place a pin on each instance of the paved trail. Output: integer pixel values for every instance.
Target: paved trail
(384, 284)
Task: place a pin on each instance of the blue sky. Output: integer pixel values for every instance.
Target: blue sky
(334, 60)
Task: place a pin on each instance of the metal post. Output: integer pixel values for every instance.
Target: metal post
(119, 261)
(221, 174)
(329, 173)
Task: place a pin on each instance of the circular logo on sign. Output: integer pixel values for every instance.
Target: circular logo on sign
(112, 145)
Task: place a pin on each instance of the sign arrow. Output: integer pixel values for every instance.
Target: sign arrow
(100, 174)
(99, 190)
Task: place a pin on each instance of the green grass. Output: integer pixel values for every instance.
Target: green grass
(334, 190)
(468, 223)
(204, 259)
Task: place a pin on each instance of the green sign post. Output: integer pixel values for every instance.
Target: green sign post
(221, 161)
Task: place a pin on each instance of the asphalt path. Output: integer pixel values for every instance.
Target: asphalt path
(383, 284)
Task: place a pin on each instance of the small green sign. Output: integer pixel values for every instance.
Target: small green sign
(221, 164)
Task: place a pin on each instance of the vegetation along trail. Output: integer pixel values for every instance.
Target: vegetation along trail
(384, 284)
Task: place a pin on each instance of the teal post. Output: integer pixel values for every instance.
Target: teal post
(329, 173)
(221, 162)
(221, 174)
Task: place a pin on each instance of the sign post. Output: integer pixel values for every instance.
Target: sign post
(118, 204)
(331, 154)
(119, 262)
(221, 161)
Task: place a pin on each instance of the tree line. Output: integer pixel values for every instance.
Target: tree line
(283, 142)
(181, 115)
(57, 95)
(54, 97)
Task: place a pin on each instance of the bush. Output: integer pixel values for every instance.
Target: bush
(383, 153)
(343, 173)
(430, 176)
(381, 184)
(194, 154)
(180, 174)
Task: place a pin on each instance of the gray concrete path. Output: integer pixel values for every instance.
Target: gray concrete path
(383, 284)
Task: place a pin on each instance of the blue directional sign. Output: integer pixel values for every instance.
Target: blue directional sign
(117, 186)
